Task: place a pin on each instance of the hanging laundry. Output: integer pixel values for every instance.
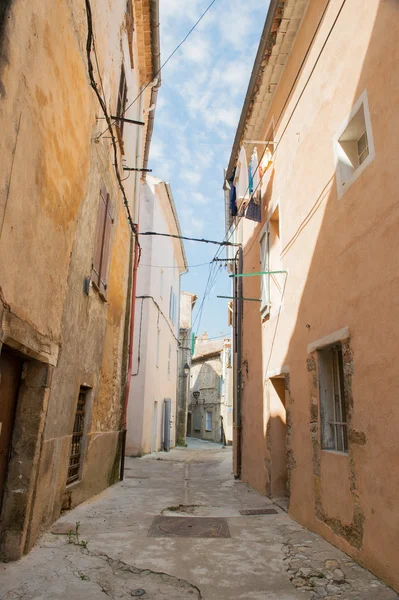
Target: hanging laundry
(233, 195)
(241, 180)
(254, 211)
(256, 188)
(250, 177)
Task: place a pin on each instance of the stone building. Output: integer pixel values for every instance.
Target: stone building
(316, 342)
(187, 303)
(69, 75)
(153, 388)
(210, 405)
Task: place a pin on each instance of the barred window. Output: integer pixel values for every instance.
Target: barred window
(76, 459)
(334, 434)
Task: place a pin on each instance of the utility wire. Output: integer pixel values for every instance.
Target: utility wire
(165, 63)
(178, 267)
(93, 83)
(230, 234)
(191, 239)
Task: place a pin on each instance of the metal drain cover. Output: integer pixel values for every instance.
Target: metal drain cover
(259, 511)
(189, 527)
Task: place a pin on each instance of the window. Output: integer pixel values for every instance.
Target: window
(172, 306)
(208, 425)
(105, 220)
(197, 422)
(130, 29)
(264, 266)
(169, 359)
(353, 145)
(121, 106)
(75, 458)
(158, 344)
(332, 400)
(161, 284)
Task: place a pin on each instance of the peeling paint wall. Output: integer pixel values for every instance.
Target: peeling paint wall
(51, 173)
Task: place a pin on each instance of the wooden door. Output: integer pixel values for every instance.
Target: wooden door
(10, 374)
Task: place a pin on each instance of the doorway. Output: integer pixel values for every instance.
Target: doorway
(154, 446)
(278, 435)
(188, 425)
(10, 376)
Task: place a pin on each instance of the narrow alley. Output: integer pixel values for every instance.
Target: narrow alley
(176, 528)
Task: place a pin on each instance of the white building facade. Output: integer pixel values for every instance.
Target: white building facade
(151, 413)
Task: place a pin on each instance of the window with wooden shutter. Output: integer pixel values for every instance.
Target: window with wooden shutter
(105, 221)
(121, 106)
(130, 29)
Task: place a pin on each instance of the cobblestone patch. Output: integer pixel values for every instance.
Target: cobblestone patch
(322, 571)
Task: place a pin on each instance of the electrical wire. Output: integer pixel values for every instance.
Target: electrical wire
(230, 234)
(93, 83)
(301, 94)
(164, 64)
(178, 267)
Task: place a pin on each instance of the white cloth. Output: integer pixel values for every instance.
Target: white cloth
(241, 179)
(255, 171)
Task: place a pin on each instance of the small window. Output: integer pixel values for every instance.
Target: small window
(105, 221)
(161, 284)
(334, 434)
(172, 306)
(169, 359)
(208, 425)
(353, 145)
(158, 344)
(197, 422)
(130, 29)
(76, 458)
(121, 106)
(264, 267)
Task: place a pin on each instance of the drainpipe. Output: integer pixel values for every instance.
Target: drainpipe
(238, 306)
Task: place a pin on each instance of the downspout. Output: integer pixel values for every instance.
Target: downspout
(156, 74)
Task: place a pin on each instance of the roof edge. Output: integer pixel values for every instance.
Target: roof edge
(264, 40)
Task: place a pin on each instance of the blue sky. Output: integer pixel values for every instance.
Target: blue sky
(199, 105)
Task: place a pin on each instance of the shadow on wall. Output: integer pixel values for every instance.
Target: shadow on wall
(350, 498)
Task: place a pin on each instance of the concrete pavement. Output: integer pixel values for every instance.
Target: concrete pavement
(121, 552)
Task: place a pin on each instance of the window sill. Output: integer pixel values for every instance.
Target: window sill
(335, 452)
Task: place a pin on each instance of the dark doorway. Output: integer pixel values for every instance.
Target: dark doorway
(189, 425)
(278, 438)
(10, 375)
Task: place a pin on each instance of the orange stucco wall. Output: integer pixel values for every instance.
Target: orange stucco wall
(341, 255)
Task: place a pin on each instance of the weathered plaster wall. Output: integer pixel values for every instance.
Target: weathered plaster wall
(340, 255)
(50, 178)
(159, 271)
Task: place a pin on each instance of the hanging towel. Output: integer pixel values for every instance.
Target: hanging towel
(241, 180)
(254, 211)
(256, 189)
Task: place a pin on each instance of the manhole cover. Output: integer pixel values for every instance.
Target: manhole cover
(259, 511)
(196, 527)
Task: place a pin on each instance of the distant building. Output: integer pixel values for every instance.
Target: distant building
(153, 387)
(187, 303)
(210, 410)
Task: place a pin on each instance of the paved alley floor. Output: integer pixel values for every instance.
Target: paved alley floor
(123, 550)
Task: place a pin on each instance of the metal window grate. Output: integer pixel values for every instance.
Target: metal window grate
(77, 435)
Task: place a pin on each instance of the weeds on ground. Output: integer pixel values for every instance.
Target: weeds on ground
(73, 537)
